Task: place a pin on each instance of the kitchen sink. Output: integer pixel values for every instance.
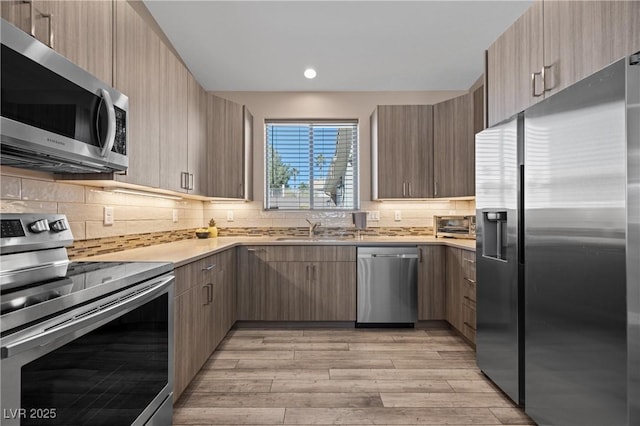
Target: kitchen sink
(312, 239)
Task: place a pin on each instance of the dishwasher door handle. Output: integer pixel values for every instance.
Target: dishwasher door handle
(397, 256)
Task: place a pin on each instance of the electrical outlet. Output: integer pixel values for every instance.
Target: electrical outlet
(229, 215)
(397, 215)
(108, 215)
(175, 215)
(373, 215)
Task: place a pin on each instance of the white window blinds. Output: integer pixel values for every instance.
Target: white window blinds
(311, 165)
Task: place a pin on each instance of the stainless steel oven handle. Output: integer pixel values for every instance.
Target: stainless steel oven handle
(54, 334)
(34, 268)
(111, 118)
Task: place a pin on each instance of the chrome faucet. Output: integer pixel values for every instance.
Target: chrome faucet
(312, 227)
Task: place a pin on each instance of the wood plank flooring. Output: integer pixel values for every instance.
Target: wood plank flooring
(344, 376)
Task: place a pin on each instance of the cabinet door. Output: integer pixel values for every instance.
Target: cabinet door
(453, 289)
(173, 122)
(247, 165)
(404, 151)
(431, 283)
(252, 277)
(197, 137)
(454, 147)
(137, 64)
(18, 13)
(332, 295)
(582, 37)
(225, 131)
(186, 337)
(510, 61)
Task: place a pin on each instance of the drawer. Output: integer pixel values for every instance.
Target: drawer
(469, 316)
(469, 265)
(469, 332)
(195, 273)
(303, 253)
(469, 289)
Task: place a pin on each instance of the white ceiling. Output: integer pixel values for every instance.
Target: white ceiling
(354, 45)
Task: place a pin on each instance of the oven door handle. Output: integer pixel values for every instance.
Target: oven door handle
(95, 316)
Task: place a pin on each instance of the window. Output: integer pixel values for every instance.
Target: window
(311, 165)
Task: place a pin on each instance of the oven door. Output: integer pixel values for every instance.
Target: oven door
(106, 363)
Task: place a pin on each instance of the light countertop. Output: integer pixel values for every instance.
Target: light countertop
(187, 251)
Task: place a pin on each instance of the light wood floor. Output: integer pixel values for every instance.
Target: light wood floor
(344, 376)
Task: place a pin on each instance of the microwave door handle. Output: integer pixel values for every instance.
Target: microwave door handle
(111, 119)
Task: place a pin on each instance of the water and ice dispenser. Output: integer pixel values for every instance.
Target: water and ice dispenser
(494, 236)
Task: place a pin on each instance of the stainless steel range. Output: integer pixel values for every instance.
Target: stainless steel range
(81, 343)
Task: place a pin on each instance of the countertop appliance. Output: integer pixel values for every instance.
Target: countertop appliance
(387, 281)
(92, 345)
(455, 226)
(56, 117)
(558, 277)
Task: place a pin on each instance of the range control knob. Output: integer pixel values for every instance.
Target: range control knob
(59, 225)
(39, 226)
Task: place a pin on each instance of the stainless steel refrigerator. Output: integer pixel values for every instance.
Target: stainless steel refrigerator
(558, 252)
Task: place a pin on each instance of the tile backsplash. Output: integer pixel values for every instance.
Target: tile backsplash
(144, 220)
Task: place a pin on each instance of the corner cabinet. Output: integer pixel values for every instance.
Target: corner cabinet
(454, 147)
(229, 130)
(553, 45)
(204, 311)
(402, 151)
(297, 283)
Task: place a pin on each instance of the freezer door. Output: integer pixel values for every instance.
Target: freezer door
(575, 284)
(498, 152)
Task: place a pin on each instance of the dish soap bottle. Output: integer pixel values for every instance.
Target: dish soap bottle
(213, 230)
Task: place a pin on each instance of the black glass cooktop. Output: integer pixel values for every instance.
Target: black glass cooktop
(84, 282)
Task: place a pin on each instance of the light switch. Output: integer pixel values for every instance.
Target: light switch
(108, 215)
(229, 215)
(397, 215)
(175, 215)
(373, 215)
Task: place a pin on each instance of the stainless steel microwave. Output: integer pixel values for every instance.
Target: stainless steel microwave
(57, 117)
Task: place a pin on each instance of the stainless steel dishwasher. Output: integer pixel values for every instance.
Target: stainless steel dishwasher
(387, 286)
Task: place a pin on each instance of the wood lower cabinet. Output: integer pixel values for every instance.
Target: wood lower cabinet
(431, 283)
(204, 311)
(461, 291)
(297, 283)
(402, 151)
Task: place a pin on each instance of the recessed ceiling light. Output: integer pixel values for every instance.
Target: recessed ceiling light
(310, 73)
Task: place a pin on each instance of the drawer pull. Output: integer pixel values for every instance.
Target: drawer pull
(210, 267)
(470, 280)
(469, 260)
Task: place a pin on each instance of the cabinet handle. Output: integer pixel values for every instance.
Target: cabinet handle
(314, 273)
(206, 286)
(49, 16)
(255, 250)
(544, 78)
(182, 184)
(470, 280)
(190, 182)
(419, 254)
(533, 84)
(210, 267)
(468, 260)
(404, 189)
(469, 325)
(210, 285)
(435, 188)
(308, 276)
(409, 185)
(32, 26)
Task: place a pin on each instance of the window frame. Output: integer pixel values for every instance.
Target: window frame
(356, 164)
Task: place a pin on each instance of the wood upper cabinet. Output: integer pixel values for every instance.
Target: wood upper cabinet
(511, 60)
(174, 102)
(137, 64)
(553, 45)
(81, 31)
(431, 283)
(229, 146)
(454, 147)
(402, 151)
(582, 37)
(197, 137)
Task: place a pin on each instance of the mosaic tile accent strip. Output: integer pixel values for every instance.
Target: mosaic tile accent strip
(97, 246)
